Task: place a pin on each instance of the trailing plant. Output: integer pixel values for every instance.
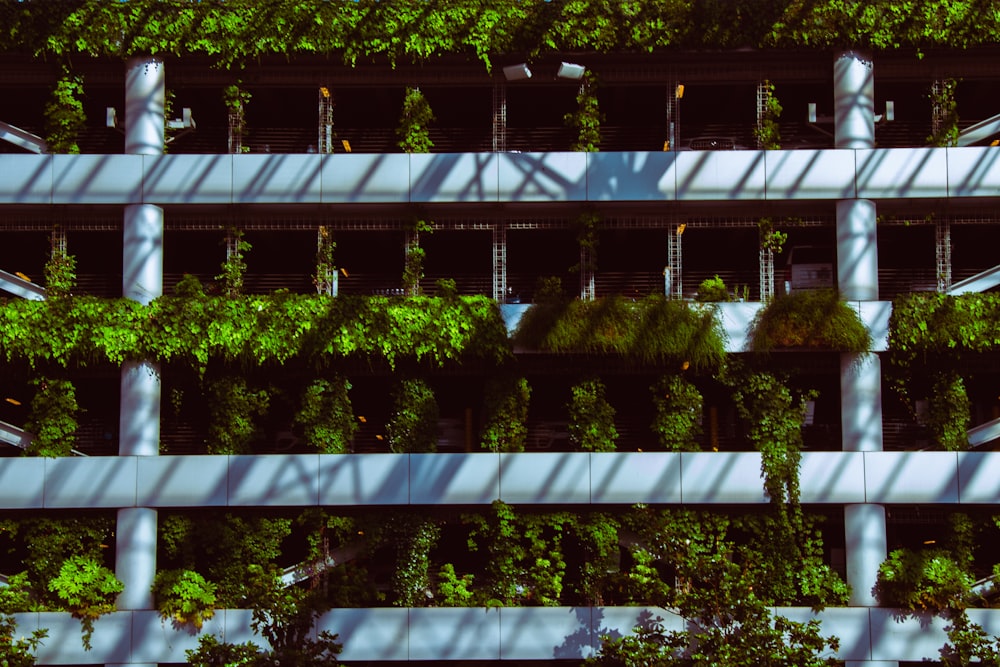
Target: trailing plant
(968, 643)
(257, 330)
(234, 268)
(414, 539)
(948, 413)
(64, 116)
(326, 269)
(768, 132)
(713, 290)
(591, 418)
(414, 123)
(506, 414)
(678, 411)
(413, 424)
(52, 418)
(945, 130)
(926, 326)
(232, 408)
(60, 269)
(587, 118)
(326, 415)
(87, 589)
(650, 330)
(811, 318)
(184, 596)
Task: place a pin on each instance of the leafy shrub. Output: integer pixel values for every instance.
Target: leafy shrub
(811, 318)
(185, 596)
(52, 419)
(506, 408)
(713, 290)
(88, 589)
(678, 406)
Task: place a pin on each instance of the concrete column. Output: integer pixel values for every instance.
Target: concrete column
(860, 374)
(142, 281)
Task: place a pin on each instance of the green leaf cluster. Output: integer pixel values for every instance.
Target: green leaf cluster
(809, 319)
(255, 330)
(678, 411)
(88, 589)
(232, 408)
(185, 596)
(591, 418)
(64, 116)
(650, 330)
(326, 415)
(587, 118)
(414, 421)
(925, 326)
(52, 419)
(506, 409)
(926, 580)
(413, 131)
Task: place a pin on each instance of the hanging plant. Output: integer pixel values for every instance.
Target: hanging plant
(326, 416)
(506, 409)
(587, 118)
(64, 117)
(591, 418)
(811, 318)
(768, 132)
(414, 123)
(52, 418)
(678, 407)
(414, 421)
(88, 589)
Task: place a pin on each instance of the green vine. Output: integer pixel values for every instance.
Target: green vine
(236, 98)
(506, 408)
(64, 117)
(677, 420)
(414, 123)
(587, 118)
(60, 269)
(327, 417)
(234, 268)
(232, 409)
(414, 540)
(326, 268)
(948, 413)
(770, 238)
(591, 418)
(414, 421)
(768, 132)
(413, 269)
(52, 419)
(946, 123)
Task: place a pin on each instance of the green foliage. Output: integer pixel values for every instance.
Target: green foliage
(326, 268)
(213, 653)
(770, 238)
(185, 596)
(414, 421)
(234, 268)
(587, 118)
(413, 269)
(49, 541)
(64, 117)
(414, 123)
(52, 419)
(969, 644)
(591, 418)
(60, 270)
(506, 409)
(927, 580)
(768, 132)
(326, 415)
(452, 590)
(255, 330)
(16, 651)
(236, 98)
(232, 408)
(946, 131)
(925, 326)
(949, 411)
(650, 330)
(677, 421)
(713, 290)
(87, 589)
(414, 538)
(811, 318)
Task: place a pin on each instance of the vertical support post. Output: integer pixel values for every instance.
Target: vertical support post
(674, 94)
(325, 135)
(857, 280)
(672, 285)
(499, 117)
(411, 241)
(327, 280)
(942, 252)
(142, 281)
(500, 262)
(588, 288)
(766, 261)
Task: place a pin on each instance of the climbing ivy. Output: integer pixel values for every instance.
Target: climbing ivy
(64, 117)
(413, 131)
(677, 420)
(52, 418)
(591, 418)
(506, 407)
(60, 270)
(768, 132)
(234, 268)
(587, 118)
(184, 596)
(326, 415)
(413, 424)
(949, 412)
(233, 406)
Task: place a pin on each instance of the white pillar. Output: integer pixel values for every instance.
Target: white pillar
(860, 374)
(142, 281)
